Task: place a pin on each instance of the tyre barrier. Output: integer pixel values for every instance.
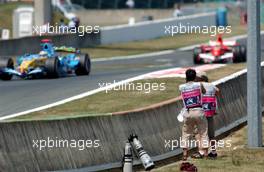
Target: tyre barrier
(155, 125)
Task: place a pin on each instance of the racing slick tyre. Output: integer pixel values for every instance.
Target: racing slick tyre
(52, 67)
(196, 52)
(6, 63)
(243, 53)
(237, 54)
(84, 66)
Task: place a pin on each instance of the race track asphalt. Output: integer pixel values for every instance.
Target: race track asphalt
(19, 95)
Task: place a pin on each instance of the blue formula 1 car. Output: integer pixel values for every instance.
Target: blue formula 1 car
(51, 62)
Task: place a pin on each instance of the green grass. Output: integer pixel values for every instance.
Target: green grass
(115, 101)
(237, 158)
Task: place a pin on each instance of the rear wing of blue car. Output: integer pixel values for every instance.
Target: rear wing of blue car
(66, 49)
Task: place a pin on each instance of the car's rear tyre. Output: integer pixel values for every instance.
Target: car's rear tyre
(6, 63)
(52, 67)
(237, 54)
(196, 52)
(240, 54)
(243, 53)
(84, 67)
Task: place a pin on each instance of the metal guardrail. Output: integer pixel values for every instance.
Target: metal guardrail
(152, 29)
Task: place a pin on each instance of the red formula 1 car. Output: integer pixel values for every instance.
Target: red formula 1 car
(219, 52)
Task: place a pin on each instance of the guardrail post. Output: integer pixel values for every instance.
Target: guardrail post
(254, 75)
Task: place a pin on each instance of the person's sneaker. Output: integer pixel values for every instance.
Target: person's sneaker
(212, 155)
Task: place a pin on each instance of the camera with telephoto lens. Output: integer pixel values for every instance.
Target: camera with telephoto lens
(141, 153)
(128, 158)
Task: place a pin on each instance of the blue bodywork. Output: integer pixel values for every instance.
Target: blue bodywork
(34, 64)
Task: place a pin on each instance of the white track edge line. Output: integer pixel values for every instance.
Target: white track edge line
(79, 96)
